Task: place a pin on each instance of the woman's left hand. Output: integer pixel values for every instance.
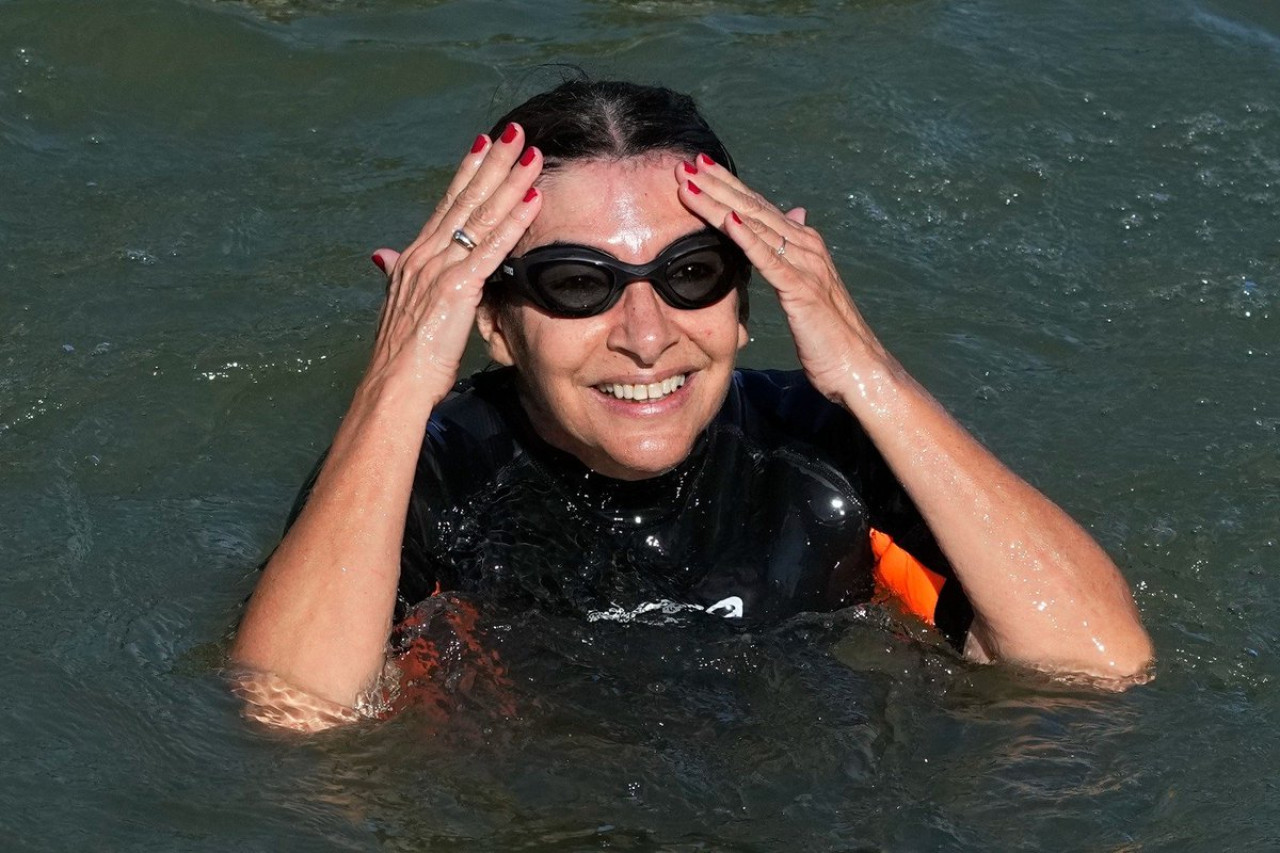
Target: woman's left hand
(1043, 592)
(830, 334)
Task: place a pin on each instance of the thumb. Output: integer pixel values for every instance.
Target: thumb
(385, 259)
(796, 215)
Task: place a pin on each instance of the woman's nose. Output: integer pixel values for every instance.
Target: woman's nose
(643, 324)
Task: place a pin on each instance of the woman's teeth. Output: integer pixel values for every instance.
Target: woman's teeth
(652, 391)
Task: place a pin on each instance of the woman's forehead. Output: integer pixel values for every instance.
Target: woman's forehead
(629, 208)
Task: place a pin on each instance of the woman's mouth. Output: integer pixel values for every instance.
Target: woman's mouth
(650, 391)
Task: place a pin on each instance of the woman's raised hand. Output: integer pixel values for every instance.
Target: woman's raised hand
(434, 286)
(1044, 593)
(830, 335)
(319, 618)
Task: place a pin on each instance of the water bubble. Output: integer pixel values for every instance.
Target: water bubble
(68, 348)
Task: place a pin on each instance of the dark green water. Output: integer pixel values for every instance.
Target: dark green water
(1063, 217)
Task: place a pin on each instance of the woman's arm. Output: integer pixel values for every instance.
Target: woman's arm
(321, 614)
(1044, 593)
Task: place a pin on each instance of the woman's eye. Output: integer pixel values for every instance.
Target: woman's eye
(692, 271)
(577, 291)
(577, 284)
(568, 279)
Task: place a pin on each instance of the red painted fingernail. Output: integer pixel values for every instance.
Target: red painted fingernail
(706, 161)
(531, 195)
(690, 168)
(377, 259)
(527, 157)
(479, 144)
(509, 134)
(736, 217)
(693, 188)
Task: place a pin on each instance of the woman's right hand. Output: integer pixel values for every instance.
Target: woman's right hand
(319, 618)
(435, 285)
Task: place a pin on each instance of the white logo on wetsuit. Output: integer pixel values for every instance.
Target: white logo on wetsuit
(730, 608)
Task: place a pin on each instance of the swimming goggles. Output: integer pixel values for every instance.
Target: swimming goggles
(579, 281)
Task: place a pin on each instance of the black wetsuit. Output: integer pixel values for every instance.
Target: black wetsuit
(769, 515)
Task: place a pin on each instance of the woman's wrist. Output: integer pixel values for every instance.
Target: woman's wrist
(400, 389)
(871, 383)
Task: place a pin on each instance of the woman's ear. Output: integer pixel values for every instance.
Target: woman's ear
(491, 323)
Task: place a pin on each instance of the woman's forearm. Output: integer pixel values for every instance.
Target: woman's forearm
(1044, 593)
(321, 614)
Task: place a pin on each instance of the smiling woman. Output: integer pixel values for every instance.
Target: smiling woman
(601, 240)
(571, 370)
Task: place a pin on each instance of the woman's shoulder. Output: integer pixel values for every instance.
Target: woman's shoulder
(473, 433)
(783, 405)
(476, 400)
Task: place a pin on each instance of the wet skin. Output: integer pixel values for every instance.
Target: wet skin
(570, 369)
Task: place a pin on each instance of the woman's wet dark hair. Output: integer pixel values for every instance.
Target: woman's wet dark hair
(582, 120)
(611, 119)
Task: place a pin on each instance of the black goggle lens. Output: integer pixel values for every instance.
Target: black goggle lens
(577, 286)
(578, 281)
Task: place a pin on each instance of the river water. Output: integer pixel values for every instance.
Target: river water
(1062, 217)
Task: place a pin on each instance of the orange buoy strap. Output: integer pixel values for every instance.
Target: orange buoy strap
(901, 576)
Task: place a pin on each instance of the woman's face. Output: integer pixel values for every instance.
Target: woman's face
(571, 369)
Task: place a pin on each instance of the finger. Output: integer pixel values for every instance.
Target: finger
(504, 198)
(483, 166)
(729, 189)
(760, 243)
(462, 177)
(385, 259)
(431, 256)
(722, 185)
(466, 171)
(477, 265)
(496, 167)
(719, 201)
(430, 251)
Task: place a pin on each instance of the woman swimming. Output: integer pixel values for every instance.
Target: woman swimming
(601, 241)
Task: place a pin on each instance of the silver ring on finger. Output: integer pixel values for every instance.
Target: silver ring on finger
(781, 250)
(463, 239)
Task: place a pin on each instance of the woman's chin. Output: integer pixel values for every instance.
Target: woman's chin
(640, 461)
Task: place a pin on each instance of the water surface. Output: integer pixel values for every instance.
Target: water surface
(1061, 217)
